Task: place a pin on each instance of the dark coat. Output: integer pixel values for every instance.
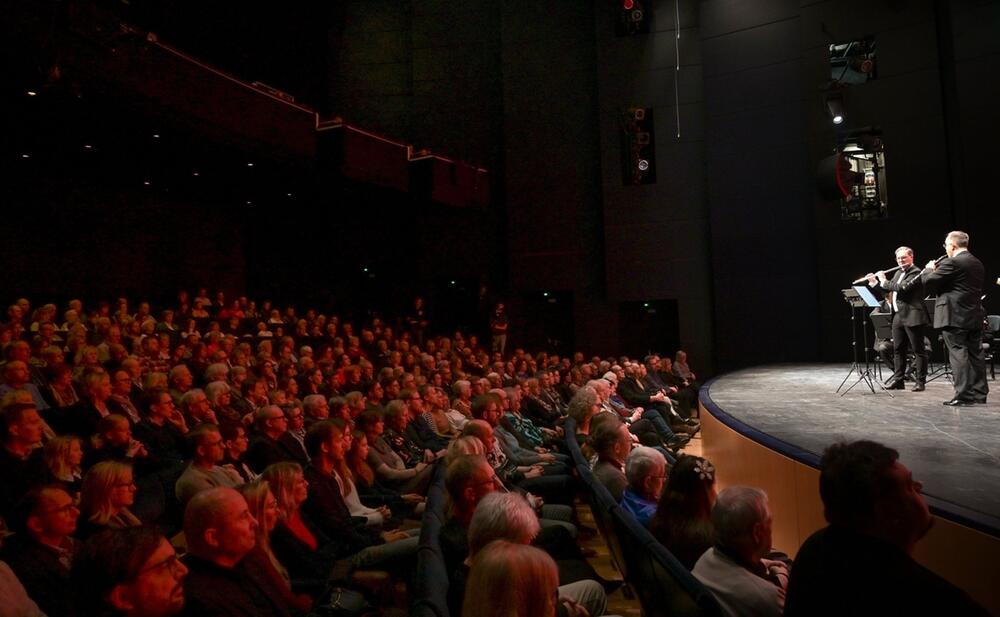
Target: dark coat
(909, 298)
(958, 283)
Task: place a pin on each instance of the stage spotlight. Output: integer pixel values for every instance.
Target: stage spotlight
(835, 107)
(643, 164)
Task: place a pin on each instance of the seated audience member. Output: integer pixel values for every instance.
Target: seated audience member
(162, 430)
(316, 408)
(375, 517)
(401, 434)
(554, 489)
(735, 570)
(326, 509)
(236, 444)
(487, 407)
(121, 396)
(61, 391)
(507, 516)
(81, 419)
(22, 464)
(264, 508)
(108, 491)
(435, 414)
(17, 377)
(220, 400)
(196, 408)
(113, 442)
(370, 490)
(204, 471)
(683, 519)
(646, 471)
(294, 439)
(266, 447)
(876, 516)
(538, 407)
(460, 411)
(388, 465)
(682, 370)
(63, 459)
(131, 572)
(16, 602)
(612, 442)
(220, 533)
(42, 549)
(501, 567)
(180, 381)
(466, 444)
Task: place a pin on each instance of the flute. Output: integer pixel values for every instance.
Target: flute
(865, 278)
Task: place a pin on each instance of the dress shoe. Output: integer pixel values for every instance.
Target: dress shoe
(677, 443)
(683, 429)
(896, 385)
(691, 422)
(958, 402)
(982, 402)
(919, 387)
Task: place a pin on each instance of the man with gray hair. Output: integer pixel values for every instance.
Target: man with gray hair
(735, 569)
(958, 312)
(508, 516)
(646, 471)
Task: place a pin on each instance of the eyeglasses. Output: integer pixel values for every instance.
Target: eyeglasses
(172, 563)
(129, 484)
(60, 510)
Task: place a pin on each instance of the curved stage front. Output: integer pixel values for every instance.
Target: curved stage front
(768, 426)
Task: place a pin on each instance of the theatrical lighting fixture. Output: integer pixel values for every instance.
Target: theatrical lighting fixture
(156, 135)
(249, 164)
(643, 164)
(834, 101)
(628, 5)
(195, 174)
(146, 182)
(87, 146)
(32, 93)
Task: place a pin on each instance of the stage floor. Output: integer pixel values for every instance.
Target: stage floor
(953, 451)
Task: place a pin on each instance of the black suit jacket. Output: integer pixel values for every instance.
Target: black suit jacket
(909, 298)
(958, 283)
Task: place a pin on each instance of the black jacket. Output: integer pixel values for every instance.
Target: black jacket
(958, 283)
(909, 298)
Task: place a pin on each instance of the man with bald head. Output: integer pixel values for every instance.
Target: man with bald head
(220, 532)
(17, 376)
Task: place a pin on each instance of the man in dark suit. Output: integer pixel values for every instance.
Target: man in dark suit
(905, 299)
(958, 311)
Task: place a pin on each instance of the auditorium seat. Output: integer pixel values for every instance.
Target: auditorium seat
(429, 595)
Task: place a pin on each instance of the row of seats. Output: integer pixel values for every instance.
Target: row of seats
(661, 583)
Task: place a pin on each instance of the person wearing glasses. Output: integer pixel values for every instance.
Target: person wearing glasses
(133, 572)
(108, 491)
(266, 447)
(41, 551)
(646, 471)
(958, 313)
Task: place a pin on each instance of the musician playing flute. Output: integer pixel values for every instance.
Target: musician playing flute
(905, 299)
(958, 312)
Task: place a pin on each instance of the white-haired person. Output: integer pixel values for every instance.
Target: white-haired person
(646, 472)
(736, 569)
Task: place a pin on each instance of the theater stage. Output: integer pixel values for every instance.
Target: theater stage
(768, 426)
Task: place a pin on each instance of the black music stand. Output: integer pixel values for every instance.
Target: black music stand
(882, 323)
(860, 297)
(945, 369)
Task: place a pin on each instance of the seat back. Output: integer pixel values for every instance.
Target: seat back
(662, 584)
(430, 585)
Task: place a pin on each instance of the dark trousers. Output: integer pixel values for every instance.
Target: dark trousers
(968, 366)
(906, 339)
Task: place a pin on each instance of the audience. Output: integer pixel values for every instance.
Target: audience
(683, 518)
(736, 569)
(876, 517)
(131, 572)
(646, 472)
(352, 459)
(220, 532)
(204, 471)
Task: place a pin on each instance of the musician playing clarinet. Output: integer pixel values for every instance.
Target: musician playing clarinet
(905, 299)
(958, 311)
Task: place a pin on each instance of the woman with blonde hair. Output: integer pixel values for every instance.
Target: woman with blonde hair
(263, 506)
(467, 444)
(63, 456)
(108, 491)
(511, 580)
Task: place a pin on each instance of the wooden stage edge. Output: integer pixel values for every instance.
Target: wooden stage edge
(965, 556)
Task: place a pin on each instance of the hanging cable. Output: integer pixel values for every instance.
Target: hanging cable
(677, 69)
